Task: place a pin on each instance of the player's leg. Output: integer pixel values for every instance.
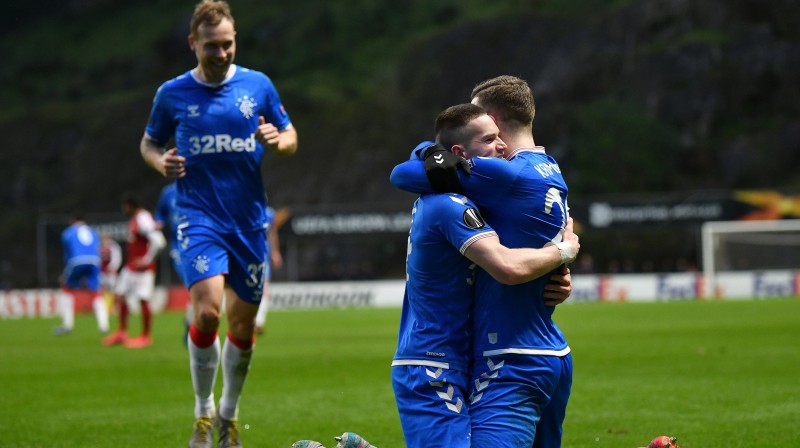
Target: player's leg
(98, 303)
(508, 397)
(549, 430)
(177, 264)
(204, 353)
(263, 309)
(66, 300)
(432, 406)
(237, 352)
(143, 286)
(245, 288)
(65, 306)
(206, 265)
(122, 287)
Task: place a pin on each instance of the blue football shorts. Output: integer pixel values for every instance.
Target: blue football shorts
(239, 256)
(519, 401)
(175, 256)
(432, 406)
(83, 276)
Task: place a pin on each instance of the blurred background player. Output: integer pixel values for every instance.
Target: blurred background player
(110, 262)
(222, 117)
(138, 276)
(274, 221)
(167, 217)
(81, 246)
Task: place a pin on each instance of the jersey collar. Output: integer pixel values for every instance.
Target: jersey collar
(536, 149)
(228, 76)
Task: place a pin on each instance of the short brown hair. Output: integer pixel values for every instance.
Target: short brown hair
(510, 96)
(209, 12)
(451, 121)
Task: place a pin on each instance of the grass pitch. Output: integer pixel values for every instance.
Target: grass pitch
(714, 374)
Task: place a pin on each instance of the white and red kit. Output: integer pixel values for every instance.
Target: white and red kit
(110, 262)
(136, 281)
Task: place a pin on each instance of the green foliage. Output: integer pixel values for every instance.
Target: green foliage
(620, 147)
(719, 373)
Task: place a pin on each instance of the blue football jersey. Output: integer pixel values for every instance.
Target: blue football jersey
(269, 218)
(81, 245)
(525, 200)
(214, 128)
(435, 320)
(166, 212)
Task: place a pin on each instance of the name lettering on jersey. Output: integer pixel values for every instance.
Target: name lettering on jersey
(473, 219)
(194, 110)
(213, 144)
(247, 106)
(547, 169)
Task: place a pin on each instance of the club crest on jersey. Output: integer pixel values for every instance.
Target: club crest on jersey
(473, 219)
(201, 264)
(247, 106)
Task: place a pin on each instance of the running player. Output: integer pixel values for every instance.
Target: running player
(522, 371)
(430, 368)
(81, 272)
(222, 116)
(138, 276)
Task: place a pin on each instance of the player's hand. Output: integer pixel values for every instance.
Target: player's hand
(174, 166)
(570, 243)
(441, 168)
(558, 289)
(267, 134)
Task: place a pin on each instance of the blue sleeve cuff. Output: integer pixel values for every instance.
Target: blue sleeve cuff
(418, 152)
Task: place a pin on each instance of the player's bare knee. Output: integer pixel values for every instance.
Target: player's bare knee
(207, 318)
(241, 329)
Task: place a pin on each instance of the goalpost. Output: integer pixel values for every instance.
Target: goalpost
(748, 246)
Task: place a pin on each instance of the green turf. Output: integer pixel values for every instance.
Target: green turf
(715, 374)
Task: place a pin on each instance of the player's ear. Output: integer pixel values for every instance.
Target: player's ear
(190, 41)
(458, 150)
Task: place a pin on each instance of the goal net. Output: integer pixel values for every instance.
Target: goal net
(730, 246)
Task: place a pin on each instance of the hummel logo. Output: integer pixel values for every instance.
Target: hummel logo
(493, 366)
(439, 158)
(455, 407)
(193, 110)
(435, 374)
(446, 395)
(475, 398)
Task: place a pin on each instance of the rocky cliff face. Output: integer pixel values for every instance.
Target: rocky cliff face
(653, 96)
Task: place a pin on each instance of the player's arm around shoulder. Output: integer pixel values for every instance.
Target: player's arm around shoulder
(515, 266)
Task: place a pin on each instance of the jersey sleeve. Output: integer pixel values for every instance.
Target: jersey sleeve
(410, 176)
(160, 127)
(161, 212)
(460, 221)
(145, 224)
(490, 181)
(273, 109)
